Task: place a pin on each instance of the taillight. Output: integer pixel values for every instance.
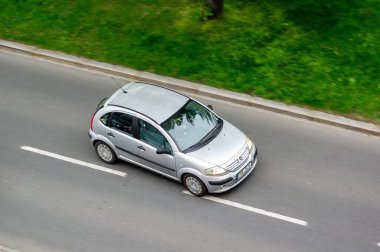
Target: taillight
(92, 122)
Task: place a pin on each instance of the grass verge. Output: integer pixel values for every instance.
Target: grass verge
(319, 54)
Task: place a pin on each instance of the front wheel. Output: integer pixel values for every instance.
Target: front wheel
(194, 185)
(105, 152)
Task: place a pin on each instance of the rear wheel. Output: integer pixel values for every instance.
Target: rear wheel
(105, 152)
(194, 185)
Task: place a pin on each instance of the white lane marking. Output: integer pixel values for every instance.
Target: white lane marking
(378, 244)
(74, 161)
(253, 209)
(5, 249)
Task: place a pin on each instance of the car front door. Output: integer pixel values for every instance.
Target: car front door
(151, 140)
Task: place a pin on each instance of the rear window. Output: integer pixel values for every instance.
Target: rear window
(101, 103)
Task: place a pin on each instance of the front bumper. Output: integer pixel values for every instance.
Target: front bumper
(232, 179)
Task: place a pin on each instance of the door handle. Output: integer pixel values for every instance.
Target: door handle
(141, 148)
(110, 134)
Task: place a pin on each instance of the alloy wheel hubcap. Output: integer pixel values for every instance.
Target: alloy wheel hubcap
(193, 185)
(104, 152)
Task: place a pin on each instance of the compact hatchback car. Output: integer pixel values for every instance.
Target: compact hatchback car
(172, 134)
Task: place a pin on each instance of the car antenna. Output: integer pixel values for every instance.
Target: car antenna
(117, 83)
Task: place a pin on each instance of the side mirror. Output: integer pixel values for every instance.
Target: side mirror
(163, 151)
(210, 107)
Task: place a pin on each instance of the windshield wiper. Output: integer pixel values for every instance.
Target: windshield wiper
(207, 138)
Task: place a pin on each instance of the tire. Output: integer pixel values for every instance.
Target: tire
(105, 152)
(194, 185)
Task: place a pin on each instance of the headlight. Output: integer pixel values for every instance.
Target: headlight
(250, 144)
(215, 171)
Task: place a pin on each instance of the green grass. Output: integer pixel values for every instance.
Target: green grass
(319, 54)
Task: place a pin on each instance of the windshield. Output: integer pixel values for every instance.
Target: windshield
(193, 126)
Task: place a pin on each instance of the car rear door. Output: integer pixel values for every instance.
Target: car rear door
(120, 133)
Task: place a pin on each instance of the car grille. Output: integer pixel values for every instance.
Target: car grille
(239, 161)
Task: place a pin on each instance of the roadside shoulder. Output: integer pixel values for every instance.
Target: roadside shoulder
(195, 88)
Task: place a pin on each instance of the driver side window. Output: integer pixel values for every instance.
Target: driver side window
(152, 136)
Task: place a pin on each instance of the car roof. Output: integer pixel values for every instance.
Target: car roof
(156, 102)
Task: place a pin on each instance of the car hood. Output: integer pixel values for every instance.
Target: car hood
(223, 147)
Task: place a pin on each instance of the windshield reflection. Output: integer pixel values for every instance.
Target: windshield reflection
(190, 124)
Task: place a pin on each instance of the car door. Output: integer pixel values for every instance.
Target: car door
(151, 140)
(120, 133)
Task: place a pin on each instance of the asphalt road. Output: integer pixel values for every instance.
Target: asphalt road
(326, 176)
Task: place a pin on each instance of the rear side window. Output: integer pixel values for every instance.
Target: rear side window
(122, 122)
(104, 118)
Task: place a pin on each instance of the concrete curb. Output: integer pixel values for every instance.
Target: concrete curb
(194, 88)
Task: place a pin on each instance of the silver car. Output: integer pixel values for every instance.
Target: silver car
(171, 134)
